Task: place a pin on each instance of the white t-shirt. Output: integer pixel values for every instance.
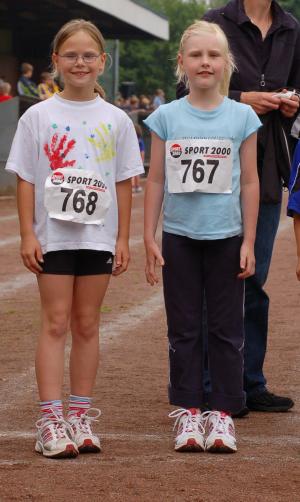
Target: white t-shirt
(58, 134)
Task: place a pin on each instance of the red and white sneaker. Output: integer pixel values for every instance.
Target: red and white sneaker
(190, 430)
(54, 439)
(220, 432)
(86, 441)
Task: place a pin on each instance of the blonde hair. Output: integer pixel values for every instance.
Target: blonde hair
(69, 29)
(200, 28)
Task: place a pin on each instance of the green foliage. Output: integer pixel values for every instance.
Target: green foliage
(292, 6)
(151, 64)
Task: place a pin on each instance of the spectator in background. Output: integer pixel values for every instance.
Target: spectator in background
(145, 103)
(136, 187)
(47, 87)
(26, 87)
(159, 98)
(5, 89)
(134, 103)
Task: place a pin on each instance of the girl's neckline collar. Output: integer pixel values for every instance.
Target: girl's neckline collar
(70, 102)
(199, 110)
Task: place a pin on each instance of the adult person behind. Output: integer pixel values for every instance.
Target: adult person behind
(25, 86)
(262, 36)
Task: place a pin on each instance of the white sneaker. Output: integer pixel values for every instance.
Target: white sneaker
(220, 432)
(190, 430)
(54, 439)
(83, 436)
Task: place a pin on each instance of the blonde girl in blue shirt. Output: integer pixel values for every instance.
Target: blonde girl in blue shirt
(203, 171)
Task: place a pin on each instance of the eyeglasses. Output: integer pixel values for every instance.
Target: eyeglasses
(71, 58)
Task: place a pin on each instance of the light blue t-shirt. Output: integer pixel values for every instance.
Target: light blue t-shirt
(198, 215)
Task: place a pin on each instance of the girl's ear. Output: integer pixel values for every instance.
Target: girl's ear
(102, 60)
(54, 59)
(180, 59)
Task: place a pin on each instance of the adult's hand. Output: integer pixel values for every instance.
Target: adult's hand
(261, 102)
(289, 106)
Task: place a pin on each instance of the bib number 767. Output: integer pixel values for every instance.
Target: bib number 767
(198, 171)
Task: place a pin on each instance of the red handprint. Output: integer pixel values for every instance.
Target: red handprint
(57, 154)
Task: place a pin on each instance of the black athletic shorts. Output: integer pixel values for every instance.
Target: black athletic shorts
(78, 262)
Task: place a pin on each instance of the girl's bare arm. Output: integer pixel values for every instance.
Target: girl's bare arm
(249, 202)
(31, 251)
(153, 201)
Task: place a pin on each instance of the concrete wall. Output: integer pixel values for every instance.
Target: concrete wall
(10, 112)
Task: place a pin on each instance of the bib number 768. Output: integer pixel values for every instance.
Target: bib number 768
(79, 202)
(198, 171)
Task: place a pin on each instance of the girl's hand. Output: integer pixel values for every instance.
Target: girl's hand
(31, 253)
(122, 257)
(298, 269)
(153, 257)
(289, 106)
(247, 261)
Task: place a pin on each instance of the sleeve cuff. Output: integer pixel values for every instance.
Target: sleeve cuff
(236, 95)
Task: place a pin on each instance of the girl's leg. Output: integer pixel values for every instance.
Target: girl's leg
(54, 438)
(56, 293)
(88, 295)
(183, 291)
(225, 305)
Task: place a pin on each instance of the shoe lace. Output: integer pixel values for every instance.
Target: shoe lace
(57, 425)
(219, 422)
(190, 422)
(83, 422)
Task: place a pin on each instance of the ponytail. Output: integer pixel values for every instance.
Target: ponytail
(99, 90)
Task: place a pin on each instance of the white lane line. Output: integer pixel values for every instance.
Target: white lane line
(18, 282)
(10, 435)
(17, 387)
(9, 217)
(133, 317)
(9, 241)
(259, 440)
(286, 223)
(26, 279)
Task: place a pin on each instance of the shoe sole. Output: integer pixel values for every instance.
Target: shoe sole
(88, 447)
(273, 409)
(190, 446)
(219, 447)
(241, 414)
(69, 452)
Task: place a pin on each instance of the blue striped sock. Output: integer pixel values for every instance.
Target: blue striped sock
(78, 405)
(51, 409)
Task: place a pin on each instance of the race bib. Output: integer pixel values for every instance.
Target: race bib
(199, 165)
(76, 195)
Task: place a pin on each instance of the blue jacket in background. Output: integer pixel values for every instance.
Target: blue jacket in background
(294, 184)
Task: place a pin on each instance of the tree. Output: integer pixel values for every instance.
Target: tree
(292, 6)
(151, 64)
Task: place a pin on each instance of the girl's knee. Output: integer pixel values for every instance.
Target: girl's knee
(56, 326)
(85, 327)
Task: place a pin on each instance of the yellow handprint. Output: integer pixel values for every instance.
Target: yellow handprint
(104, 141)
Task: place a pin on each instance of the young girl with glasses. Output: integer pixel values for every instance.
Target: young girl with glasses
(203, 170)
(74, 155)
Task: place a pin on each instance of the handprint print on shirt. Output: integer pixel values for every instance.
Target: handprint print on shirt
(103, 140)
(58, 152)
